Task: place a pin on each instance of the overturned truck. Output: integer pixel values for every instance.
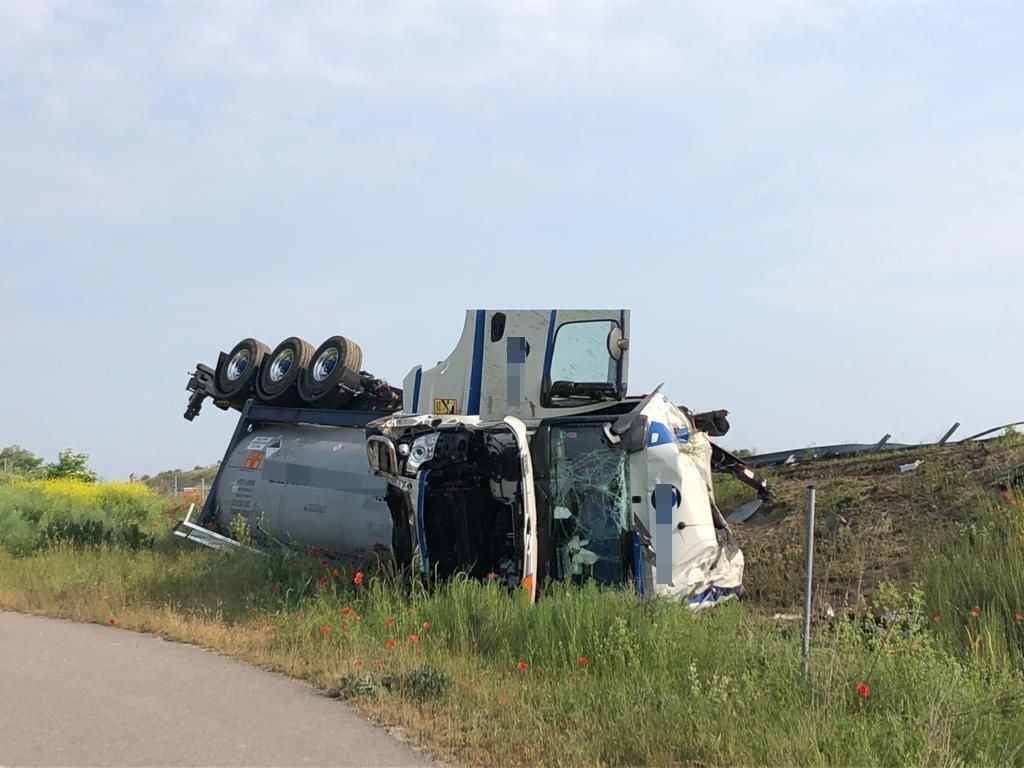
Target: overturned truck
(519, 457)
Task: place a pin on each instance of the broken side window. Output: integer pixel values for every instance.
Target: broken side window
(591, 505)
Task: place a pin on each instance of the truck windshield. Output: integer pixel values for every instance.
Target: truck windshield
(590, 485)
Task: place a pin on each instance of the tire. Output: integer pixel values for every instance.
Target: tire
(330, 361)
(332, 378)
(282, 370)
(239, 370)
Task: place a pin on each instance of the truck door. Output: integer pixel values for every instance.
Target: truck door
(554, 362)
(474, 506)
(527, 363)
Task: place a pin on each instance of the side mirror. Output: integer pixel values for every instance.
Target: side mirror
(633, 440)
(617, 343)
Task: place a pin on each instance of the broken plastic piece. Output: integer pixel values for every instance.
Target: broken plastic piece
(744, 511)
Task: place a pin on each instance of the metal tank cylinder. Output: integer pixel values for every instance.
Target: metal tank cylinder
(308, 485)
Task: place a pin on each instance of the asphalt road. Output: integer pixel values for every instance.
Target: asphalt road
(90, 695)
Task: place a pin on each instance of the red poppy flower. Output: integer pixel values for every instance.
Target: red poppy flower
(336, 573)
(975, 611)
(112, 622)
(357, 617)
(584, 661)
(388, 622)
(414, 638)
(863, 690)
(359, 663)
(501, 701)
(325, 630)
(426, 625)
(522, 665)
(492, 575)
(323, 580)
(323, 563)
(390, 642)
(346, 611)
(358, 578)
(936, 618)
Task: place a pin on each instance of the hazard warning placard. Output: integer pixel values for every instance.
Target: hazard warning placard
(446, 405)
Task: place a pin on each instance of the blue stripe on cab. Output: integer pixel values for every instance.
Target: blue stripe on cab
(549, 349)
(473, 404)
(638, 565)
(421, 531)
(416, 390)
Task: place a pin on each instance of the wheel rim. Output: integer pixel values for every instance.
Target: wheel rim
(238, 365)
(325, 364)
(281, 365)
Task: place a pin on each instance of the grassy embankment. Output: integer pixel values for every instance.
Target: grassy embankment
(583, 677)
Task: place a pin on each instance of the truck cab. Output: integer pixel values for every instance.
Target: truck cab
(533, 465)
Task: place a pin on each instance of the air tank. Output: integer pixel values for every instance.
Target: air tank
(308, 485)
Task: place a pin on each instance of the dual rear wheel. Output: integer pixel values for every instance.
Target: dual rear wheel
(293, 374)
(332, 379)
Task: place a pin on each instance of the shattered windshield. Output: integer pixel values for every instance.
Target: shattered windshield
(590, 482)
(581, 353)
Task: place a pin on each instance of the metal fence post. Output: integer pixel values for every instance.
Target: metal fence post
(808, 565)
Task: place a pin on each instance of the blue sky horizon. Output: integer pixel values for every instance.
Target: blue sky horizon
(812, 209)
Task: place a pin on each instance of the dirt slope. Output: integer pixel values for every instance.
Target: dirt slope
(892, 519)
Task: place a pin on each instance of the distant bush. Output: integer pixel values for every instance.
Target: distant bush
(71, 465)
(35, 513)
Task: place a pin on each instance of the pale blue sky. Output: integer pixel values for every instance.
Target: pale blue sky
(814, 210)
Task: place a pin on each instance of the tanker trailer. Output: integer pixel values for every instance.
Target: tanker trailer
(518, 457)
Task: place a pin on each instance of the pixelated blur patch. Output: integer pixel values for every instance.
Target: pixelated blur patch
(516, 358)
(515, 349)
(665, 496)
(446, 405)
(254, 460)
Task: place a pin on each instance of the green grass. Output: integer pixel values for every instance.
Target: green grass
(607, 679)
(37, 513)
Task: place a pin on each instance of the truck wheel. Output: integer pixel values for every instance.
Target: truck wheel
(282, 370)
(330, 362)
(240, 368)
